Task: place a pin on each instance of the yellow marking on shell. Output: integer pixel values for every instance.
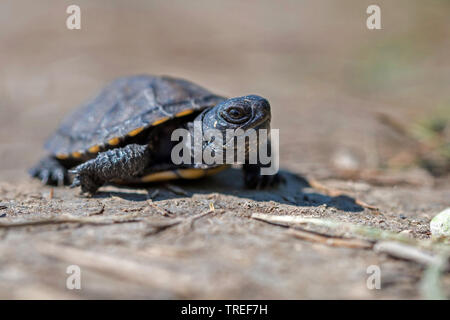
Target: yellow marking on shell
(191, 173)
(114, 141)
(215, 124)
(184, 113)
(76, 154)
(62, 156)
(160, 121)
(135, 132)
(160, 176)
(94, 149)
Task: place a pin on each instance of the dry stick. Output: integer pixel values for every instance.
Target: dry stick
(437, 264)
(161, 211)
(314, 236)
(150, 203)
(72, 219)
(130, 271)
(196, 217)
(99, 211)
(419, 148)
(336, 193)
(365, 231)
(329, 241)
(158, 227)
(407, 252)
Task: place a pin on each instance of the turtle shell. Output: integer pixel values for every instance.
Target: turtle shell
(124, 108)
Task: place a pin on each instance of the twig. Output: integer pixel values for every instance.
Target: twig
(200, 215)
(407, 252)
(99, 211)
(158, 227)
(365, 231)
(314, 236)
(71, 219)
(335, 193)
(418, 148)
(161, 211)
(393, 124)
(329, 241)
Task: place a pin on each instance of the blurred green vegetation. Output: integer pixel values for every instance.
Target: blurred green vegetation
(433, 134)
(384, 65)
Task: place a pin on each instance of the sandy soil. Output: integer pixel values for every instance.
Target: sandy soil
(319, 67)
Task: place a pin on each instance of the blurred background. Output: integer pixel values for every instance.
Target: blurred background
(348, 101)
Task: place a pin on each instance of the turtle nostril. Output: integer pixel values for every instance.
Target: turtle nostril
(265, 105)
(264, 108)
(260, 104)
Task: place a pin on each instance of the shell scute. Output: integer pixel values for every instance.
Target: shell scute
(125, 108)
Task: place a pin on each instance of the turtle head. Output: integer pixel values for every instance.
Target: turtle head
(247, 112)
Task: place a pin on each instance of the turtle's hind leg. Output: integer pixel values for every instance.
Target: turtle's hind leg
(119, 163)
(50, 171)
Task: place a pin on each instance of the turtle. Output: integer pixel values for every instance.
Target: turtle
(123, 135)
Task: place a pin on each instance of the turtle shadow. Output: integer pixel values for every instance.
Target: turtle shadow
(294, 191)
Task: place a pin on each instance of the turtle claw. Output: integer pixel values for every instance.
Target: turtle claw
(44, 175)
(85, 178)
(50, 172)
(76, 183)
(57, 175)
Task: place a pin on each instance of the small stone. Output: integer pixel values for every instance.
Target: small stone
(440, 225)
(407, 233)
(345, 160)
(402, 216)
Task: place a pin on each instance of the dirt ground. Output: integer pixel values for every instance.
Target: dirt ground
(326, 76)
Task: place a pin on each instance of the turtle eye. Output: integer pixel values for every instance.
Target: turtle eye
(235, 115)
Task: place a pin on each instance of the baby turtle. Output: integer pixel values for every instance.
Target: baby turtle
(123, 135)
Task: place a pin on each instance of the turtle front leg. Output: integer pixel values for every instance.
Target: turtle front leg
(253, 178)
(119, 163)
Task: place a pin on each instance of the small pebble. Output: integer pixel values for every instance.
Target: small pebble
(440, 225)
